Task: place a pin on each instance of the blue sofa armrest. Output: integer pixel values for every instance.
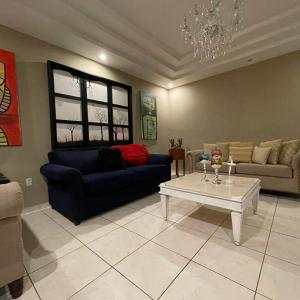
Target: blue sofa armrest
(62, 174)
(160, 159)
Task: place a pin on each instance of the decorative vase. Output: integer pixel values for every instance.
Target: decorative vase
(216, 164)
(230, 164)
(204, 159)
(172, 143)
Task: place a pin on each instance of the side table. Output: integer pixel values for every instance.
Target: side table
(178, 154)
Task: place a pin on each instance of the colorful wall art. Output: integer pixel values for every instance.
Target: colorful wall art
(148, 116)
(10, 133)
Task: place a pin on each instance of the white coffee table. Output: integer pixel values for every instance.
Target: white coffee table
(243, 192)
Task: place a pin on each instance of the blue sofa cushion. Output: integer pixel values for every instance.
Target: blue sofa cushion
(86, 161)
(110, 159)
(154, 173)
(97, 183)
(142, 173)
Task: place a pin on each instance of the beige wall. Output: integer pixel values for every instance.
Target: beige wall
(254, 103)
(21, 162)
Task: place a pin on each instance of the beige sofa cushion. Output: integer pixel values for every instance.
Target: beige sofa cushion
(241, 154)
(208, 148)
(241, 144)
(224, 147)
(260, 155)
(265, 170)
(223, 169)
(288, 150)
(275, 146)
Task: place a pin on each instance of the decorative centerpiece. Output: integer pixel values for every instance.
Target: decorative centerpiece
(204, 159)
(230, 164)
(172, 143)
(177, 145)
(216, 164)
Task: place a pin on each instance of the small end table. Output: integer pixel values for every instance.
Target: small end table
(178, 154)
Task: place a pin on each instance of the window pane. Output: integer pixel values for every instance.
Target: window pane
(120, 116)
(67, 109)
(65, 83)
(68, 133)
(96, 91)
(98, 133)
(120, 133)
(97, 113)
(119, 96)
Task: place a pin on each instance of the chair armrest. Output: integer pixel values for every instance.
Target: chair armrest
(61, 173)
(193, 157)
(296, 164)
(160, 159)
(11, 200)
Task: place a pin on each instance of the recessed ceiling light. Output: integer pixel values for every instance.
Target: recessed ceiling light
(170, 85)
(103, 56)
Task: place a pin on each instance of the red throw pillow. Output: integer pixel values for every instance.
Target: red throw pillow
(135, 154)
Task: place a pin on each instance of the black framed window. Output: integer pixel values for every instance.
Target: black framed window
(86, 110)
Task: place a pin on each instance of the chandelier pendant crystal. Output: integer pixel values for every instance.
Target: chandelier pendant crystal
(209, 27)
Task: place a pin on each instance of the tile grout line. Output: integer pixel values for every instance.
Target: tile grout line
(151, 240)
(284, 260)
(191, 259)
(263, 261)
(222, 275)
(88, 283)
(172, 223)
(112, 266)
(33, 285)
(85, 244)
(147, 242)
(285, 234)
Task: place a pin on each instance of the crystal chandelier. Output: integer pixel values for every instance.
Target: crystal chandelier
(209, 27)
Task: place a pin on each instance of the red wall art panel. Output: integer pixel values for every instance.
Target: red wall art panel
(10, 133)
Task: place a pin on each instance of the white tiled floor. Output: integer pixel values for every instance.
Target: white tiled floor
(133, 253)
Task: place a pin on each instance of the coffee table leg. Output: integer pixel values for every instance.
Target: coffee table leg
(255, 202)
(164, 205)
(236, 219)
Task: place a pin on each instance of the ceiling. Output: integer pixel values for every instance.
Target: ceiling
(142, 38)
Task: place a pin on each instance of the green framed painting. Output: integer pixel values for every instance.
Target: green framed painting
(148, 116)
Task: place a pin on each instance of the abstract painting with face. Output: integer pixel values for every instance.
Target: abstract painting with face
(10, 133)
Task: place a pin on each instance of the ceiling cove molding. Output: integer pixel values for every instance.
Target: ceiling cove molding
(178, 81)
(89, 27)
(115, 40)
(145, 36)
(189, 67)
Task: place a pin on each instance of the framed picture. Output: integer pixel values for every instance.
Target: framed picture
(87, 110)
(10, 132)
(148, 116)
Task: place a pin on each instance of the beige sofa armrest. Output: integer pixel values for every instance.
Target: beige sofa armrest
(296, 164)
(192, 157)
(11, 200)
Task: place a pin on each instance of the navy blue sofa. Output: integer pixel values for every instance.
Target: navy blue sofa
(78, 189)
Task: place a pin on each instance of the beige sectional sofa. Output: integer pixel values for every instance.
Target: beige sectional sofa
(274, 177)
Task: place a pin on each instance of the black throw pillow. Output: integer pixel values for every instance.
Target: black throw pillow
(110, 159)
